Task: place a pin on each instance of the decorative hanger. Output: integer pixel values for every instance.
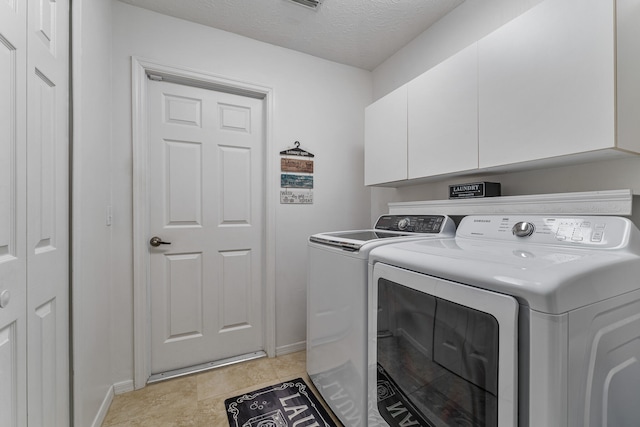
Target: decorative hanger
(296, 151)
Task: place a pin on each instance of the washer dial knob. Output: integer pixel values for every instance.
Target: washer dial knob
(523, 229)
(403, 223)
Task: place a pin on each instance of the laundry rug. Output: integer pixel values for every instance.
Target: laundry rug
(290, 403)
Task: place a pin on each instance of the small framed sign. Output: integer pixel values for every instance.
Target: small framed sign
(296, 181)
(296, 165)
(290, 196)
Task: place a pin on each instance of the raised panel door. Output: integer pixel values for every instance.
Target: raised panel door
(48, 212)
(13, 257)
(206, 175)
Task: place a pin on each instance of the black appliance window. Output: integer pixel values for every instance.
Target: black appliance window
(437, 360)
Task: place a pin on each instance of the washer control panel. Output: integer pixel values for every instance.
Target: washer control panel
(599, 231)
(412, 223)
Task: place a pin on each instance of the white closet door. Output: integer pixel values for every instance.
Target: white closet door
(13, 270)
(47, 212)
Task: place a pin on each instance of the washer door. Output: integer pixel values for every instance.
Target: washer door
(440, 353)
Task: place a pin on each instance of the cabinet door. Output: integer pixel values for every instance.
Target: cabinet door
(385, 135)
(443, 117)
(546, 83)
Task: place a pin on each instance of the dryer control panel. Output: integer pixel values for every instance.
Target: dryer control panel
(412, 223)
(581, 231)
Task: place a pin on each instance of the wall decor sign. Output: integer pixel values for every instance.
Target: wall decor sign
(297, 151)
(292, 196)
(296, 181)
(296, 165)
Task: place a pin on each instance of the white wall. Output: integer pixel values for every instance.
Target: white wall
(317, 102)
(466, 24)
(91, 269)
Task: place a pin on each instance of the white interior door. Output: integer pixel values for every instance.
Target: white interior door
(34, 180)
(13, 265)
(206, 199)
(48, 212)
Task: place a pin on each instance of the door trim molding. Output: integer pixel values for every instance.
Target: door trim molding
(141, 302)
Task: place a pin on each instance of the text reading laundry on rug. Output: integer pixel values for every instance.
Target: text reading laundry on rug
(297, 411)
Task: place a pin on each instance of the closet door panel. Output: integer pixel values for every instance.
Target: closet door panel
(13, 258)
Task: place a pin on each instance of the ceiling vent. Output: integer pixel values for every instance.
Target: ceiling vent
(313, 4)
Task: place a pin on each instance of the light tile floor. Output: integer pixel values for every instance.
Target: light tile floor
(198, 400)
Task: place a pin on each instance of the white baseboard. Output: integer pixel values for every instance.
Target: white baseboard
(291, 348)
(104, 408)
(123, 387)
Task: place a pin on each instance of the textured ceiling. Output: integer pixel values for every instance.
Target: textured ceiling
(362, 33)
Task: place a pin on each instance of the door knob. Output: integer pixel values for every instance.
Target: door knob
(5, 296)
(156, 241)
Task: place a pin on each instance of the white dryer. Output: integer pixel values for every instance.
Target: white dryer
(522, 321)
(337, 306)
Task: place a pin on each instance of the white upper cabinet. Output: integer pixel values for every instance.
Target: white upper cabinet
(559, 84)
(385, 134)
(443, 117)
(628, 72)
(547, 83)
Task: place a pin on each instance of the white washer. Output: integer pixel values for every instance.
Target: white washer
(337, 306)
(519, 320)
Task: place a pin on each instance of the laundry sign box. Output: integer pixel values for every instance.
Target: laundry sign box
(474, 189)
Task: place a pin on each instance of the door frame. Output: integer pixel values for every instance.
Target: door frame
(141, 291)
